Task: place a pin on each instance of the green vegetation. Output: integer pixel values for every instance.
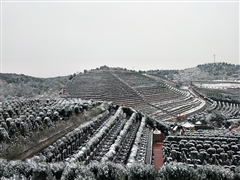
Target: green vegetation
(219, 94)
(221, 69)
(14, 85)
(169, 74)
(209, 71)
(12, 149)
(112, 171)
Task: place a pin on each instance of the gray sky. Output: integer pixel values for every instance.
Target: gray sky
(47, 39)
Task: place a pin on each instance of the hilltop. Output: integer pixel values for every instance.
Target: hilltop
(20, 85)
(210, 71)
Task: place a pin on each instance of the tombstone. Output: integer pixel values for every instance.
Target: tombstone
(158, 136)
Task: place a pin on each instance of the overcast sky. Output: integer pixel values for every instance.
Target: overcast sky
(47, 39)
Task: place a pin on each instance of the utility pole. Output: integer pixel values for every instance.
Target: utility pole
(214, 58)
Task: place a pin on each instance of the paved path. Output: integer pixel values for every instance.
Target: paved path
(158, 155)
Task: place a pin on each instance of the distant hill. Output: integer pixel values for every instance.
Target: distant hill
(15, 85)
(210, 71)
(19, 85)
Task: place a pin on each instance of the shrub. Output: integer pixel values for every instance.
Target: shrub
(3, 163)
(213, 172)
(42, 171)
(112, 171)
(107, 171)
(138, 171)
(74, 171)
(21, 167)
(57, 169)
(177, 171)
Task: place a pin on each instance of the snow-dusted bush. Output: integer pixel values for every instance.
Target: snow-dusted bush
(21, 167)
(57, 169)
(115, 117)
(140, 171)
(105, 105)
(237, 173)
(69, 137)
(213, 172)
(15, 169)
(23, 116)
(112, 152)
(42, 171)
(5, 170)
(97, 136)
(74, 171)
(132, 156)
(107, 170)
(162, 126)
(177, 171)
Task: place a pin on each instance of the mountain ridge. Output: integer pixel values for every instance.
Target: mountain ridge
(209, 71)
(20, 85)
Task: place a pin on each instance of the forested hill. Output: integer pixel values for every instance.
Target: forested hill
(15, 85)
(221, 69)
(210, 71)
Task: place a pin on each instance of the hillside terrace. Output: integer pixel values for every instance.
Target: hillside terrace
(149, 95)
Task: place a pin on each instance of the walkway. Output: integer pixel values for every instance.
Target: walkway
(158, 154)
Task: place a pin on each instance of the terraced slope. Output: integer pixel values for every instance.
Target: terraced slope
(132, 89)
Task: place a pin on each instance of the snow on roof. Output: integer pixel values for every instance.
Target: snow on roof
(175, 128)
(188, 125)
(198, 123)
(156, 131)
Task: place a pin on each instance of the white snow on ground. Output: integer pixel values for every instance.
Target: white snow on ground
(196, 108)
(219, 85)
